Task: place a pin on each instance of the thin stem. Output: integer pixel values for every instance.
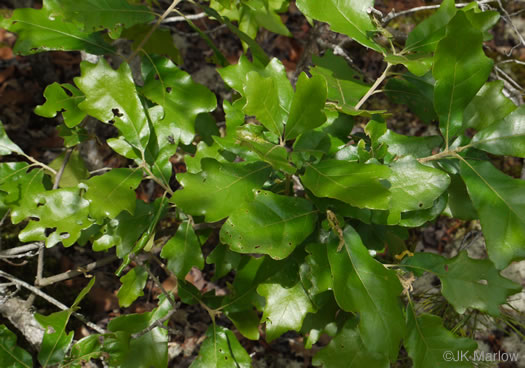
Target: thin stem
(374, 87)
(446, 153)
(155, 26)
(155, 179)
(62, 168)
(38, 163)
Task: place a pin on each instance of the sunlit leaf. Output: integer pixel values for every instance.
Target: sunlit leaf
(58, 100)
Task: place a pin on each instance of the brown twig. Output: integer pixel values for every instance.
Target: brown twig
(60, 172)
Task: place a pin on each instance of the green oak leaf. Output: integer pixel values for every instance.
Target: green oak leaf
(40, 30)
(124, 230)
(344, 84)
(6, 145)
(22, 188)
(97, 15)
(133, 284)
(489, 106)
(111, 97)
(348, 17)
(72, 137)
(193, 163)
(426, 35)
(460, 70)
(235, 75)
(360, 185)
(113, 192)
(504, 138)
(183, 251)
(427, 341)
(160, 43)
(271, 224)
(181, 98)
(315, 271)
(58, 100)
(347, 350)
(419, 217)
(415, 92)
(306, 111)
(363, 285)
(498, 199)
(60, 216)
(83, 351)
(459, 202)
(209, 192)
(224, 260)
(74, 172)
(11, 355)
(417, 64)
(402, 145)
(415, 186)
(285, 309)
(221, 349)
(467, 282)
(148, 350)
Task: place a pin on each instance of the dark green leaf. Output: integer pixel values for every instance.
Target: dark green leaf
(347, 350)
(459, 202)
(467, 282)
(428, 342)
(209, 192)
(359, 185)
(132, 285)
(41, 30)
(363, 285)
(58, 100)
(181, 98)
(499, 202)
(489, 106)
(111, 97)
(183, 251)
(271, 224)
(315, 272)
(350, 18)
(460, 69)
(84, 350)
(56, 341)
(221, 349)
(504, 138)
(11, 355)
(113, 192)
(160, 43)
(224, 260)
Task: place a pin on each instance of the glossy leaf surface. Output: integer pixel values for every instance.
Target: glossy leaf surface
(58, 100)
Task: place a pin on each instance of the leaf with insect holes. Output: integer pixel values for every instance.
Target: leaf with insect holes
(270, 224)
(183, 251)
(40, 30)
(111, 97)
(209, 192)
(467, 282)
(113, 192)
(348, 17)
(11, 355)
(60, 216)
(221, 349)
(181, 98)
(58, 100)
(460, 70)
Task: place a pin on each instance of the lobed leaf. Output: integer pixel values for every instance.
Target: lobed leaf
(133, 284)
(58, 100)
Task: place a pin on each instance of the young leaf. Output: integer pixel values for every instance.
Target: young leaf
(209, 192)
(489, 106)
(359, 185)
(428, 341)
(271, 224)
(350, 18)
(460, 69)
(468, 282)
(181, 98)
(285, 309)
(347, 350)
(12, 355)
(504, 138)
(306, 112)
(221, 349)
(111, 97)
(428, 33)
(498, 199)
(40, 30)
(61, 215)
(113, 192)
(58, 100)
(361, 284)
(96, 15)
(183, 251)
(6, 145)
(132, 285)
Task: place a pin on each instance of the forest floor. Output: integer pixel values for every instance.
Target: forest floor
(23, 80)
